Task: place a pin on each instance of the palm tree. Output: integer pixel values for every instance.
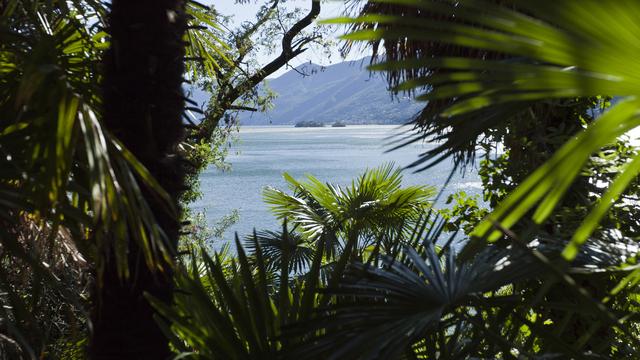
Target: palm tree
(65, 174)
(420, 302)
(427, 302)
(230, 308)
(276, 246)
(374, 208)
(143, 106)
(62, 171)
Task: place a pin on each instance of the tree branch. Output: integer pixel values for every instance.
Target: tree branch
(226, 99)
(239, 107)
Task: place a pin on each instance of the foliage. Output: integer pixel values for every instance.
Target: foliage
(275, 247)
(252, 299)
(429, 304)
(206, 153)
(238, 82)
(47, 315)
(538, 61)
(62, 171)
(365, 270)
(420, 302)
(464, 212)
(234, 309)
(489, 70)
(526, 142)
(516, 297)
(60, 168)
(366, 214)
(198, 234)
(236, 85)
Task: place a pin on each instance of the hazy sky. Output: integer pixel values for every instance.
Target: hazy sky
(246, 12)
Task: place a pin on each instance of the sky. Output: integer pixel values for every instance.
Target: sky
(329, 9)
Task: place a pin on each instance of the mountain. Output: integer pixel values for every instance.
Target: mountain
(344, 92)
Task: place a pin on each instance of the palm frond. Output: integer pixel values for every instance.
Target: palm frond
(545, 53)
(206, 48)
(434, 304)
(272, 245)
(235, 309)
(62, 164)
(373, 203)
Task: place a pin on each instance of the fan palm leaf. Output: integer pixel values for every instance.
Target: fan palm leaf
(233, 309)
(273, 243)
(435, 306)
(550, 50)
(60, 161)
(205, 43)
(375, 202)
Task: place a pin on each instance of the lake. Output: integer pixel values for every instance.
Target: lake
(334, 155)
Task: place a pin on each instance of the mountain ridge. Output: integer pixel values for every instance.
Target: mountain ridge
(344, 92)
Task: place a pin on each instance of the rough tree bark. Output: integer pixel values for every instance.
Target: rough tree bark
(143, 103)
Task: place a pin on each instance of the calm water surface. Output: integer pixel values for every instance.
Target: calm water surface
(334, 155)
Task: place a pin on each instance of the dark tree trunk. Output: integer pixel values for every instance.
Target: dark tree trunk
(142, 106)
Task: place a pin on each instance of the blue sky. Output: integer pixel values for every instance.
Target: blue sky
(246, 12)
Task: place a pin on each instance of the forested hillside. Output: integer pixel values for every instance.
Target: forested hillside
(344, 92)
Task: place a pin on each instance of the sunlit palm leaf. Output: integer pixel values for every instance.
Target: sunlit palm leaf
(66, 164)
(551, 50)
(205, 48)
(398, 304)
(375, 201)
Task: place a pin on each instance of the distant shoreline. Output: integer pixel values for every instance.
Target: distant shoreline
(247, 129)
(328, 126)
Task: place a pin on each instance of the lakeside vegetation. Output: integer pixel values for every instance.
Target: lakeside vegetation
(101, 153)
